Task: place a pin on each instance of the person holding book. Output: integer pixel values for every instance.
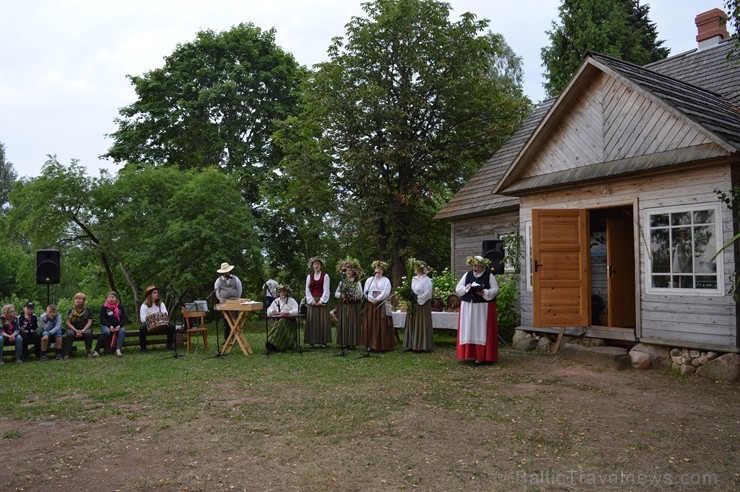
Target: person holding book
(318, 321)
(477, 328)
(377, 326)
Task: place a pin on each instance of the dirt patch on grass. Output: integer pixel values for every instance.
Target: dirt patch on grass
(528, 423)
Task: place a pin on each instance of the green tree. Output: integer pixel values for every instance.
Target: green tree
(404, 111)
(214, 103)
(8, 176)
(618, 28)
(733, 13)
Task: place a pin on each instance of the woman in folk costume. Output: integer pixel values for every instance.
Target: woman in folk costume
(349, 293)
(153, 305)
(419, 335)
(284, 309)
(318, 322)
(377, 326)
(477, 329)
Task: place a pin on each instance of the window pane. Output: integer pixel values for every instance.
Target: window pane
(706, 281)
(680, 218)
(683, 282)
(682, 254)
(705, 246)
(660, 251)
(661, 280)
(658, 220)
(704, 217)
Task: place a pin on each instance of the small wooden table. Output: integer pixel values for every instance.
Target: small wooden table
(242, 307)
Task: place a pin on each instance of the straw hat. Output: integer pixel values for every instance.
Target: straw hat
(225, 268)
(150, 289)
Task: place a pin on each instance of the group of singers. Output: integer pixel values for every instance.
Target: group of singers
(373, 327)
(363, 315)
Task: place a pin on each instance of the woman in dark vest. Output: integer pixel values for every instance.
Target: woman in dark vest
(477, 329)
(318, 322)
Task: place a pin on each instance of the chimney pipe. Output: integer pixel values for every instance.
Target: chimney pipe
(712, 28)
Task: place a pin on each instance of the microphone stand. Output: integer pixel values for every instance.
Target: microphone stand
(179, 303)
(215, 322)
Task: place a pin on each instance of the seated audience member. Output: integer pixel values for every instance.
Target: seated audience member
(51, 329)
(79, 326)
(29, 325)
(10, 333)
(153, 305)
(282, 335)
(113, 321)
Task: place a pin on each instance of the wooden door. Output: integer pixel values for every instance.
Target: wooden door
(560, 257)
(620, 260)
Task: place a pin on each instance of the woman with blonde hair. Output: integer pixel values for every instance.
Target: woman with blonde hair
(79, 322)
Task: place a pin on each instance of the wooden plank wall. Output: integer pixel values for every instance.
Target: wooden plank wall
(687, 319)
(468, 236)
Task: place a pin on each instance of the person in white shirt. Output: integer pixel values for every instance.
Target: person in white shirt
(377, 326)
(153, 306)
(419, 334)
(284, 310)
(477, 330)
(318, 321)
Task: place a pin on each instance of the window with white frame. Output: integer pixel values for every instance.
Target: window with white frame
(682, 244)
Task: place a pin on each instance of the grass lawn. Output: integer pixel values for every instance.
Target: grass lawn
(395, 421)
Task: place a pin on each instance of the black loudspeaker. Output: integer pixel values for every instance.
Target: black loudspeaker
(493, 249)
(47, 266)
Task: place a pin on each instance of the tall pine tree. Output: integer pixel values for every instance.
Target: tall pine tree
(618, 28)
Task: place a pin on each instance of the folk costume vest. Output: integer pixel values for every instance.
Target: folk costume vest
(483, 280)
(316, 287)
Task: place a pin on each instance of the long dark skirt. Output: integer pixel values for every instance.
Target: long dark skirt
(377, 329)
(318, 326)
(349, 324)
(419, 335)
(282, 335)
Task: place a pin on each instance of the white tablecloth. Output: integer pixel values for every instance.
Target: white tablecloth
(440, 320)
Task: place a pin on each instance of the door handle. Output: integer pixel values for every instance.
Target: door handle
(609, 271)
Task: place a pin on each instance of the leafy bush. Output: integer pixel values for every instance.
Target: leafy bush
(444, 284)
(508, 305)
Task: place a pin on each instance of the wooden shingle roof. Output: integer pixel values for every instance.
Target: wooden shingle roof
(702, 85)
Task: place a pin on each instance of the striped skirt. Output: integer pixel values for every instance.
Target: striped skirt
(349, 324)
(282, 335)
(318, 326)
(419, 335)
(377, 329)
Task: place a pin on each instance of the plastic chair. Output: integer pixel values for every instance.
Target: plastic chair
(195, 324)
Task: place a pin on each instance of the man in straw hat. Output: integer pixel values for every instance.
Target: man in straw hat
(227, 286)
(477, 330)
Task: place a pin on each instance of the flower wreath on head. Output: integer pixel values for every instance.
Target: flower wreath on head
(477, 260)
(316, 258)
(288, 290)
(414, 264)
(381, 264)
(355, 264)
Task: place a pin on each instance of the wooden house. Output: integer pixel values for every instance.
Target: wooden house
(612, 187)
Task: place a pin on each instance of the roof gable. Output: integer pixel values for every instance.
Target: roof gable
(614, 112)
